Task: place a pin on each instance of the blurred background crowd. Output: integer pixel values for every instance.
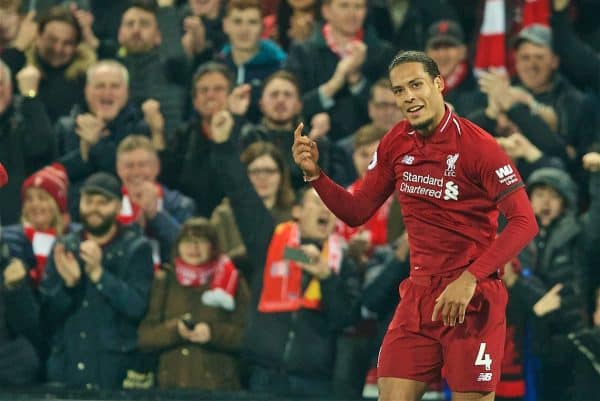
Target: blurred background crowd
(156, 232)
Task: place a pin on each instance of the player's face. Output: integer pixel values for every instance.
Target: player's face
(40, 209)
(383, 110)
(547, 204)
(418, 96)
(106, 93)
(195, 251)
(362, 157)
(315, 220)
(447, 57)
(243, 27)
(280, 101)
(535, 65)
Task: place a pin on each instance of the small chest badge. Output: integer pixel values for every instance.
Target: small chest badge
(451, 165)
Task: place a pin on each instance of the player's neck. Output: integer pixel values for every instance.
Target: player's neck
(430, 128)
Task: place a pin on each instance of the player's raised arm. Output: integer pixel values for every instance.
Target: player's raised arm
(352, 208)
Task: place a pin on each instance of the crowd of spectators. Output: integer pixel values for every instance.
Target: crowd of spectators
(157, 233)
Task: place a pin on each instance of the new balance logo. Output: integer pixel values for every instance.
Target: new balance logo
(451, 192)
(373, 163)
(484, 377)
(408, 159)
(504, 171)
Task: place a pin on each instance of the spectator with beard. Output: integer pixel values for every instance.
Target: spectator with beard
(185, 161)
(153, 76)
(281, 107)
(159, 211)
(95, 293)
(60, 54)
(26, 140)
(88, 138)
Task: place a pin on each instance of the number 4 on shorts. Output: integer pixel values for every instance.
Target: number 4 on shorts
(483, 359)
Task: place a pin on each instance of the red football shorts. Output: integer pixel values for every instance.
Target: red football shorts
(471, 353)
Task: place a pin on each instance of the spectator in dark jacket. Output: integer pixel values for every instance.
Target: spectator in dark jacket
(291, 334)
(555, 261)
(20, 331)
(26, 141)
(185, 160)
(572, 50)
(88, 138)
(250, 58)
(281, 107)
(159, 211)
(203, 34)
(96, 292)
(446, 46)
(350, 57)
(548, 110)
(60, 54)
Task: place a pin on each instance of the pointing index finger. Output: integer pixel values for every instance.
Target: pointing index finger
(298, 131)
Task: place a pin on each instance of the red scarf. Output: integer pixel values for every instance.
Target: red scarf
(282, 279)
(130, 213)
(376, 226)
(456, 77)
(41, 242)
(222, 275)
(491, 48)
(333, 45)
(536, 12)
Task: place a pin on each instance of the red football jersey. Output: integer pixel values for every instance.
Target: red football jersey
(448, 186)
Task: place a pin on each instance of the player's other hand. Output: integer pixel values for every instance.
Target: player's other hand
(452, 303)
(306, 154)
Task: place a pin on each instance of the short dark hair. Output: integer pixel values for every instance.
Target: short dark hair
(286, 76)
(146, 5)
(207, 68)
(380, 83)
(285, 193)
(413, 56)
(60, 14)
(242, 5)
(199, 227)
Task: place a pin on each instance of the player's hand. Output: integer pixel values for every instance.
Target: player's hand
(306, 153)
(452, 303)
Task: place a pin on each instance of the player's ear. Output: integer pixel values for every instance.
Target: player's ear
(439, 83)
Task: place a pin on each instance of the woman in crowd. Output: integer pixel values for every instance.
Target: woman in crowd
(270, 178)
(197, 313)
(44, 217)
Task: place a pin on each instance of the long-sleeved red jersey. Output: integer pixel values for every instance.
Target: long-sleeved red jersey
(451, 186)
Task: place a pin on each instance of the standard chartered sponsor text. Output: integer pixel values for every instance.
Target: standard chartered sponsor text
(421, 190)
